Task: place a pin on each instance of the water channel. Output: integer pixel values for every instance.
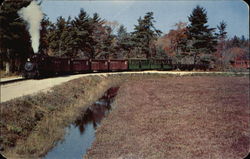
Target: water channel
(81, 134)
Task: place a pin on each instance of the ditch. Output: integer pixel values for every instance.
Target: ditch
(81, 134)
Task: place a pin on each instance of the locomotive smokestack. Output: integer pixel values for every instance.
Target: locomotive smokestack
(33, 15)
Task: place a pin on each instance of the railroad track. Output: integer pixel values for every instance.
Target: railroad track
(11, 80)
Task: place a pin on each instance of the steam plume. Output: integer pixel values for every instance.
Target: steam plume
(33, 15)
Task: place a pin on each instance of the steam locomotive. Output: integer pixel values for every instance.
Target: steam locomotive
(41, 65)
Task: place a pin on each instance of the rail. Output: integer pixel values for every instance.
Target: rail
(10, 80)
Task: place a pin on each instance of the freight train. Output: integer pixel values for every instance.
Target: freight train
(40, 65)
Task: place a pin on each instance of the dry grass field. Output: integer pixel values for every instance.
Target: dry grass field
(177, 117)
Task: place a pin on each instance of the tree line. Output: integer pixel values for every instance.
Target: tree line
(93, 37)
(90, 36)
(196, 43)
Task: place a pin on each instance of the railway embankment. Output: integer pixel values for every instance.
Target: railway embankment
(31, 125)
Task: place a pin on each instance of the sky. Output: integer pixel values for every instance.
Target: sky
(166, 12)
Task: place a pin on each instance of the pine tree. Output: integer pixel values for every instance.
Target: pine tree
(243, 41)
(221, 46)
(96, 33)
(124, 42)
(145, 34)
(222, 35)
(107, 44)
(235, 41)
(201, 38)
(102, 38)
(121, 32)
(44, 32)
(56, 41)
(82, 26)
(15, 44)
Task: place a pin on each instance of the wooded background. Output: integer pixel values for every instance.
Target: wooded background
(90, 36)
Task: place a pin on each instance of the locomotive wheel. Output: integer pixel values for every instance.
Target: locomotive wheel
(25, 75)
(37, 75)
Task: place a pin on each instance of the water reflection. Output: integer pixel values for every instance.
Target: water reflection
(81, 133)
(93, 114)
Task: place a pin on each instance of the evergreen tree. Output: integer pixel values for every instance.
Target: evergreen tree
(44, 32)
(63, 39)
(221, 46)
(235, 41)
(102, 39)
(107, 46)
(121, 32)
(243, 41)
(222, 35)
(97, 31)
(83, 28)
(201, 39)
(124, 42)
(68, 45)
(56, 41)
(145, 34)
(15, 44)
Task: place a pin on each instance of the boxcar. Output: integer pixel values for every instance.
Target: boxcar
(134, 64)
(59, 65)
(99, 65)
(118, 65)
(139, 64)
(78, 65)
(145, 64)
(156, 64)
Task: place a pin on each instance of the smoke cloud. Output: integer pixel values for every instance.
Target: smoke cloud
(33, 15)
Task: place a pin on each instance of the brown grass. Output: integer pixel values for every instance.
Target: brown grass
(177, 117)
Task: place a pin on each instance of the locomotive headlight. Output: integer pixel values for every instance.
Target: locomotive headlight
(28, 59)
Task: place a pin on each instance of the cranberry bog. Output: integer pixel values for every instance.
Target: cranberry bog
(177, 117)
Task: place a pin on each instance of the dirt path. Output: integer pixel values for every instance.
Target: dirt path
(177, 117)
(18, 89)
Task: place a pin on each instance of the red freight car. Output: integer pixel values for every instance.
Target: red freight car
(59, 65)
(117, 65)
(80, 65)
(99, 65)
